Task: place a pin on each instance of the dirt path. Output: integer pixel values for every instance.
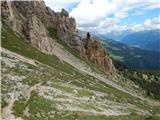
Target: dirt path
(7, 113)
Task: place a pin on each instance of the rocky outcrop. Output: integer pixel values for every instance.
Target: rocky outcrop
(9, 16)
(66, 27)
(97, 54)
(32, 18)
(25, 18)
(35, 31)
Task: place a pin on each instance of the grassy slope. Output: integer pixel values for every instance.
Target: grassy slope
(16, 44)
(22, 47)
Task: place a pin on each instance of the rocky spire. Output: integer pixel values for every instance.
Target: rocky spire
(97, 54)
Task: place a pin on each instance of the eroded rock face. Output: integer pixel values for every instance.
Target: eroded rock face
(29, 19)
(98, 55)
(9, 16)
(5, 11)
(32, 18)
(36, 33)
(66, 26)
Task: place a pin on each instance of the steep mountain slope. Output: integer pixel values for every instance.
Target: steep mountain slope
(49, 72)
(149, 40)
(133, 57)
(60, 90)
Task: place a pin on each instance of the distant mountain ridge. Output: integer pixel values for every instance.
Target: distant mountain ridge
(133, 57)
(115, 35)
(148, 40)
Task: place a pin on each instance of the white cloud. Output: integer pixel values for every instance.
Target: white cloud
(153, 5)
(91, 11)
(57, 5)
(110, 25)
(149, 24)
(108, 22)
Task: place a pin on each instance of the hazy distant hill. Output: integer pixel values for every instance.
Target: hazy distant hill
(149, 40)
(117, 36)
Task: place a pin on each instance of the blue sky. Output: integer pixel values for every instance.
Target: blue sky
(111, 15)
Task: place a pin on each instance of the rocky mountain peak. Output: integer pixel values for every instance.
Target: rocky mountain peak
(31, 19)
(64, 12)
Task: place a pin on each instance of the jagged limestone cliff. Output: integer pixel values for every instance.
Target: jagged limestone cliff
(31, 19)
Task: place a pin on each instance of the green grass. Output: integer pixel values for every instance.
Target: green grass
(19, 107)
(37, 104)
(3, 103)
(63, 88)
(85, 93)
(31, 80)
